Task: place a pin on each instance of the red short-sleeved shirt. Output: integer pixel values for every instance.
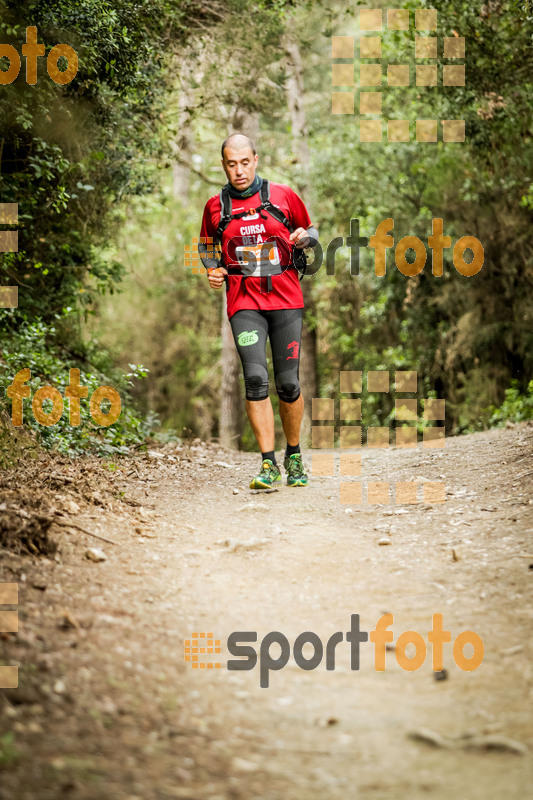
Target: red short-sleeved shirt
(252, 231)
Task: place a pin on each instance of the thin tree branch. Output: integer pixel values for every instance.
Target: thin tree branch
(79, 528)
(197, 172)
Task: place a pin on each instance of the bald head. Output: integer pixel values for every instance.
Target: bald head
(237, 141)
(239, 161)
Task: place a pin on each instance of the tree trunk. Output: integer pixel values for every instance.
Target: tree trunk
(231, 405)
(300, 149)
(308, 371)
(295, 94)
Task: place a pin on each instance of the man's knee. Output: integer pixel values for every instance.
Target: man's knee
(288, 387)
(256, 382)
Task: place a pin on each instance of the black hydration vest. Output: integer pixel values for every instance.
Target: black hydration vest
(299, 259)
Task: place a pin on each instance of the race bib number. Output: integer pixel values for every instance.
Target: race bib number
(260, 259)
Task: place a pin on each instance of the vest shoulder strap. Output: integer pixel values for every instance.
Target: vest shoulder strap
(273, 210)
(225, 213)
(264, 191)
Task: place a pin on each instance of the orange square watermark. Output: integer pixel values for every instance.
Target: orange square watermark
(406, 410)
(377, 381)
(370, 103)
(426, 74)
(370, 130)
(342, 47)
(405, 380)
(342, 75)
(377, 437)
(434, 409)
(323, 464)
(342, 103)
(9, 213)
(9, 296)
(406, 437)
(378, 492)
(9, 241)
(351, 382)
(370, 75)
(351, 493)
(426, 130)
(453, 130)
(196, 646)
(398, 19)
(322, 408)
(9, 621)
(425, 47)
(9, 677)
(433, 437)
(406, 492)
(350, 436)
(191, 255)
(9, 594)
(398, 75)
(370, 47)
(434, 492)
(398, 130)
(454, 47)
(350, 464)
(453, 75)
(426, 19)
(322, 436)
(370, 19)
(350, 409)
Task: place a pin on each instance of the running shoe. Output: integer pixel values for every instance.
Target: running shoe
(294, 468)
(269, 475)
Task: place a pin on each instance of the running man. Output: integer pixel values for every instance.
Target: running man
(262, 228)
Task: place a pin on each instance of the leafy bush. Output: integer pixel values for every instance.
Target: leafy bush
(39, 347)
(515, 408)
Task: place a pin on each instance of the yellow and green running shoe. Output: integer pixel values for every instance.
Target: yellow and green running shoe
(294, 468)
(268, 476)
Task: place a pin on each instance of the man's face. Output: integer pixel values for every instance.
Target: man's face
(239, 166)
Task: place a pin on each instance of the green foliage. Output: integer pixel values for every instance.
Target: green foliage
(73, 157)
(165, 316)
(9, 753)
(516, 407)
(87, 164)
(38, 346)
(468, 337)
(69, 153)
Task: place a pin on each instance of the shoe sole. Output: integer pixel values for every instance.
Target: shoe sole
(298, 483)
(255, 484)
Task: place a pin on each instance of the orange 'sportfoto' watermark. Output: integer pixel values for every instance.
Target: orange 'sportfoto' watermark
(239, 644)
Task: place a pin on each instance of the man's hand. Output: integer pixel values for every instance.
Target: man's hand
(300, 238)
(216, 277)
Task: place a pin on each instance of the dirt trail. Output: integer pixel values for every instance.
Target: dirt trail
(108, 708)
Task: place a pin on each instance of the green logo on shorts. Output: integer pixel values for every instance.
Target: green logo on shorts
(247, 337)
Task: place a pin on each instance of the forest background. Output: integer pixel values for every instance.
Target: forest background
(111, 173)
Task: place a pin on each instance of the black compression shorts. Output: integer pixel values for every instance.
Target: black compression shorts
(284, 329)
